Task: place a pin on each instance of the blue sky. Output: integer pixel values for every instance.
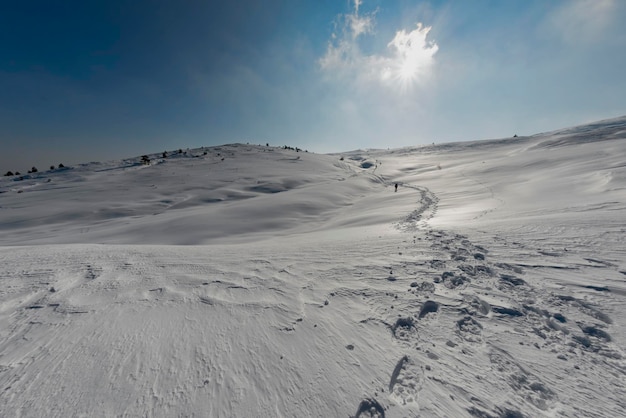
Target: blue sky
(93, 80)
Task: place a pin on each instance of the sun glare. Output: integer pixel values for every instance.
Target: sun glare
(407, 63)
(407, 70)
(413, 56)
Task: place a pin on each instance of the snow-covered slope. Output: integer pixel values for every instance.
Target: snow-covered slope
(233, 193)
(253, 281)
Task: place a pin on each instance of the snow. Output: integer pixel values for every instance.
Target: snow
(248, 281)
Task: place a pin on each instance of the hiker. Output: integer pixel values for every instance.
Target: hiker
(396, 187)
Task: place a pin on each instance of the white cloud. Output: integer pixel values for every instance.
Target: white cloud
(357, 4)
(407, 61)
(360, 25)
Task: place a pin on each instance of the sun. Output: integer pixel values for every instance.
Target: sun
(412, 58)
(407, 71)
(403, 72)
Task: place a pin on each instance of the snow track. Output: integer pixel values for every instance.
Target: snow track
(482, 319)
(447, 318)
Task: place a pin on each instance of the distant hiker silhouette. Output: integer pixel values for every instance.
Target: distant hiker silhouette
(396, 187)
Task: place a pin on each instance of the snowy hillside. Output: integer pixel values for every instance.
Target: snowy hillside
(253, 281)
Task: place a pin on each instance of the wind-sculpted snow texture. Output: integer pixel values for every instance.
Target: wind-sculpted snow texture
(257, 281)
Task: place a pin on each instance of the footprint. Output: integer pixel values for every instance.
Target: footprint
(429, 307)
(479, 306)
(597, 288)
(524, 384)
(428, 207)
(512, 280)
(502, 413)
(586, 308)
(403, 328)
(92, 272)
(596, 340)
(470, 329)
(405, 382)
(452, 281)
(510, 267)
(502, 310)
(477, 270)
(597, 333)
(426, 287)
(370, 408)
(437, 264)
(461, 254)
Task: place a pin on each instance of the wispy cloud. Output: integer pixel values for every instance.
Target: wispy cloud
(408, 60)
(583, 21)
